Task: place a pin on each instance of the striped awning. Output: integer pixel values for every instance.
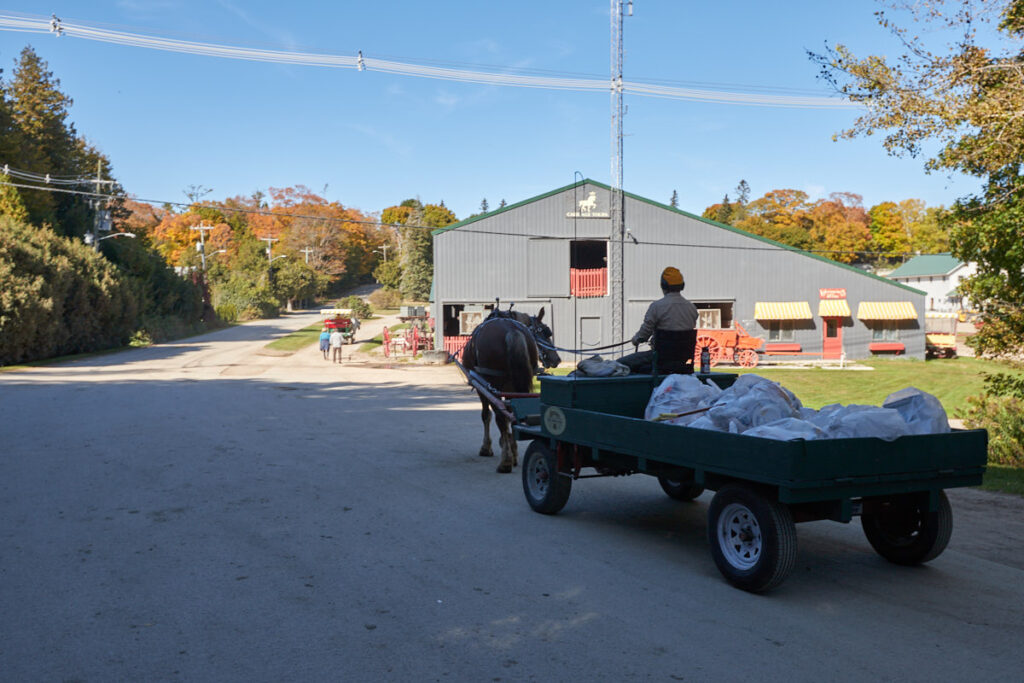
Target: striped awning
(886, 310)
(833, 308)
(782, 310)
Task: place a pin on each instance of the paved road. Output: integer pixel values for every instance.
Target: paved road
(198, 511)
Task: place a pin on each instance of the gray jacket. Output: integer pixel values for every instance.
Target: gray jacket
(670, 312)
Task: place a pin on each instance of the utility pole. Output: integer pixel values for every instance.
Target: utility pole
(307, 251)
(101, 217)
(384, 250)
(202, 241)
(269, 241)
(617, 203)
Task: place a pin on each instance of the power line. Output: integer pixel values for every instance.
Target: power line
(504, 77)
(464, 230)
(45, 178)
(258, 212)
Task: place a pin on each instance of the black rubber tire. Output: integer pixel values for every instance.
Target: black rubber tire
(755, 564)
(680, 489)
(545, 489)
(903, 531)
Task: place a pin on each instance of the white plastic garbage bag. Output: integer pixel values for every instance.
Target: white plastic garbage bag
(705, 422)
(757, 406)
(858, 421)
(788, 429)
(680, 394)
(922, 412)
(756, 401)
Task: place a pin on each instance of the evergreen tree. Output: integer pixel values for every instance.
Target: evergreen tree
(724, 211)
(743, 192)
(503, 204)
(45, 142)
(416, 250)
(674, 201)
(417, 257)
(484, 206)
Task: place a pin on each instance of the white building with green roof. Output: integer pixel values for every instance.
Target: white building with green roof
(939, 276)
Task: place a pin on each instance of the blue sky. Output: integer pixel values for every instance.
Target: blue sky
(168, 121)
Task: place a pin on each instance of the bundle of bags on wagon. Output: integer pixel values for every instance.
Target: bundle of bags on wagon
(756, 406)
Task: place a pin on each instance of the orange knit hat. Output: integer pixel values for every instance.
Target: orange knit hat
(671, 276)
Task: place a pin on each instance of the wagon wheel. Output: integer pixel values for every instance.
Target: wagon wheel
(746, 358)
(714, 348)
(546, 490)
(752, 538)
(903, 531)
(680, 488)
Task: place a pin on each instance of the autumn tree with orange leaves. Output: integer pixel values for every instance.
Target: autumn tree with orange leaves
(839, 227)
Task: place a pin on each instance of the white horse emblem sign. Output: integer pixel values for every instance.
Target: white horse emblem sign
(587, 208)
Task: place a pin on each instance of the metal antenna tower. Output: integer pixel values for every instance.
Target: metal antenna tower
(616, 201)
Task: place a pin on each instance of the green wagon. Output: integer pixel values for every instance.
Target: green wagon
(763, 486)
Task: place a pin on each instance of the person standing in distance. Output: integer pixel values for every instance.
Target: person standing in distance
(336, 341)
(325, 341)
(668, 320)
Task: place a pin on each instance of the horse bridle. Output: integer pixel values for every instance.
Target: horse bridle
(534, 329)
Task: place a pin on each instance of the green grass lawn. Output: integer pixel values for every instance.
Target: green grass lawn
(299, 339)
(1004, 479)
(951, 381)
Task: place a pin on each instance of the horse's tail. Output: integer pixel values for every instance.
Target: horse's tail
(519, 367)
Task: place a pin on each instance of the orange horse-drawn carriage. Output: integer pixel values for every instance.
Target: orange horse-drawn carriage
(728, 346)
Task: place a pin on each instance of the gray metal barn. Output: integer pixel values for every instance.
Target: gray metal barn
(552, 251)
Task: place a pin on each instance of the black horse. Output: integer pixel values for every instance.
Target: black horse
(504, 350)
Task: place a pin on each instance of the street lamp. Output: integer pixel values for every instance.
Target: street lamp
(270, 243)
(91, 239)
(279, 256)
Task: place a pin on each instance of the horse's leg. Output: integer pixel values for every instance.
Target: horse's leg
(508, 444)
(485, 415)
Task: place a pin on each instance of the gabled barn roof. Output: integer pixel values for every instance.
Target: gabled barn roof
(666, 207)
(928, 264)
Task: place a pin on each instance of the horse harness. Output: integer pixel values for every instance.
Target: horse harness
(498, 314)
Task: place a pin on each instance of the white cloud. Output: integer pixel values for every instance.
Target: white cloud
(392, 145)
(283, 37)
(446, 99)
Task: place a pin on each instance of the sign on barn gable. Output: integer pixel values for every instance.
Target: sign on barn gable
(587, 207)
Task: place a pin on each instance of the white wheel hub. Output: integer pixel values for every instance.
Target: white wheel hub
(739, 536)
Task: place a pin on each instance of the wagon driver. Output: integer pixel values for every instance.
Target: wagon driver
(666, 319)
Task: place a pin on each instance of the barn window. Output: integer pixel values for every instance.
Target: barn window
(588, 268)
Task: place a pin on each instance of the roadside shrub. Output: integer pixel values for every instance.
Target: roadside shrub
(362, 309)
(386, 297)
(140, 338)
(1003, 417)
(227, 312)
(251, 299)
(58, 296)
